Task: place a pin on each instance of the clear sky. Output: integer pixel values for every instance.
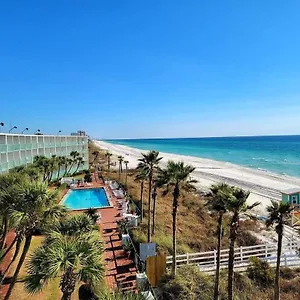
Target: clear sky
(154, 68)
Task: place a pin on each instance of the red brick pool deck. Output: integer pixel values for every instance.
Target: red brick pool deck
(120, 272)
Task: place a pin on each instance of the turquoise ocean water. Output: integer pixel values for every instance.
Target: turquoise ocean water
(278, 154)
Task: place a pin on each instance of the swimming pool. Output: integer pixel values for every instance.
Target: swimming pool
(86, 198)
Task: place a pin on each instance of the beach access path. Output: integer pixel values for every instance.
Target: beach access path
(264, 186)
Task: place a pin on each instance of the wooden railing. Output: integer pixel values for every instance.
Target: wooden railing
(207, 261)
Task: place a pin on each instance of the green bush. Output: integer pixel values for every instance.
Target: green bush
(260, 272)
(189, 284)
(288, 273)
(291, 286)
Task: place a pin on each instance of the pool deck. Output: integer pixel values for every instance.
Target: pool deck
(120, 271)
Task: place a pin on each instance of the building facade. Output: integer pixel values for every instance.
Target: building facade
(20, 149)
(292, 196)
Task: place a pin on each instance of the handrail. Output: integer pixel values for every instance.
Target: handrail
(241, 256)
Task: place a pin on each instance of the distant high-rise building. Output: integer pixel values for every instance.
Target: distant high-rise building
(79, 133)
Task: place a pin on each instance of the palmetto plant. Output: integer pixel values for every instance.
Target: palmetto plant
(278, 215)
(217, 201)
(237, 206)
(74, 225)
(149, 164)
(37, 209)
(93, 214)
(72, 258)
(177, 176)
(72, 251)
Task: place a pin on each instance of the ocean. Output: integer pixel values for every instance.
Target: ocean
(278, 154)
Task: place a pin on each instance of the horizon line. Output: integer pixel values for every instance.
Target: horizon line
(198, 137)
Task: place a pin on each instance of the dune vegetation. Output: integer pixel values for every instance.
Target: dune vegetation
(198, 229)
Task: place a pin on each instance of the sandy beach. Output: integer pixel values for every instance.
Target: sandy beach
(263, 185)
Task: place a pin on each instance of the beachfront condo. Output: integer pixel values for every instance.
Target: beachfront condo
(20, 149)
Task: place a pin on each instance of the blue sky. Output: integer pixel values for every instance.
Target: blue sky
(123, 69)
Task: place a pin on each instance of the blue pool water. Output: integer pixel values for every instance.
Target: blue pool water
(278, 154)
(86, 198)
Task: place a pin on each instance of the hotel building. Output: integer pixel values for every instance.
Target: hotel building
(20, 149)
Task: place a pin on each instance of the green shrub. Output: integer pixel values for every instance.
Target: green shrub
(288, 273)
(189, 284)
(63, 186)
(260, 272)
(291, 286)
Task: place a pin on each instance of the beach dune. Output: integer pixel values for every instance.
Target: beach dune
(264, 186)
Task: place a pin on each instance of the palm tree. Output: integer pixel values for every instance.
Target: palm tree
(154, 196)
(120, 159)
(80, 162)
(148, 164)
(73, 155)
(52, 167)
(74, 225)
(9, 200)
(17, 243)
(278, 213)
(108, 155)
(96, 154)
(72, 258)
(218, 197)
(237, 206)
(38, 209)
(68, 162)
(126, 169)
(93, 214)
(141, 177)
(176, 175)
(43, 164)
(60, 164)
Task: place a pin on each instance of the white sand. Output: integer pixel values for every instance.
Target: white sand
(263, 185)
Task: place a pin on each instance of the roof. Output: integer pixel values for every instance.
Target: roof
(291, 191)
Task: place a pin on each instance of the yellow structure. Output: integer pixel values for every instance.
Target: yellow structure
(155, 268)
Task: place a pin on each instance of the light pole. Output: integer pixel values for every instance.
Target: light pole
(15, 127)
(1, 125)
(38, 131)
(59, 132)
(26, 129)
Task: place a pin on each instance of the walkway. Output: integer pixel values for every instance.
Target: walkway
(120, 271)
